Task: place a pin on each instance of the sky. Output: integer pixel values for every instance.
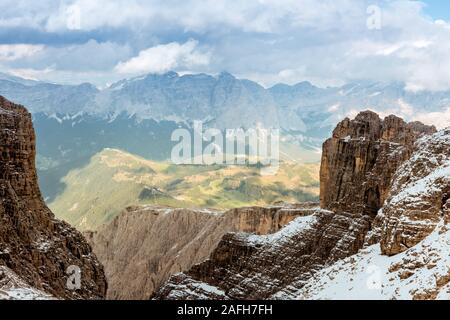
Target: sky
(438, 9)
(327, 42)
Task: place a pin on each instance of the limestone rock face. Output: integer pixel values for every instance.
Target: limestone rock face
(360, 159)
(419, 198)
(144, 246)
(33, 244)
(246, 266)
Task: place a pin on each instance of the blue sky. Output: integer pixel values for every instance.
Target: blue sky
(327, 42)
(438, 9)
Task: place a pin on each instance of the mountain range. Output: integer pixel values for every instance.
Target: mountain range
(138, 115)
(216, 99)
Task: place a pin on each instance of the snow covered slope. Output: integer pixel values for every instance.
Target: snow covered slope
(412, 260)
(12, 287)
(422, 272)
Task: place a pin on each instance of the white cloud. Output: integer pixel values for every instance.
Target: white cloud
(405, 109)
(334, 107)
(11, 52)
(203, 15)
(440, 119)
(165, 57)
(325, 42)
(30, 74)
(89, 15)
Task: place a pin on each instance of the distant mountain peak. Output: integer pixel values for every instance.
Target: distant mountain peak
(226, 75)
(171, 74)
(304, 84)
(167, 75)
(13, 78)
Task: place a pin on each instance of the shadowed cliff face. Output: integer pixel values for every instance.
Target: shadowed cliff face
(33, 244)
(358, 165)
(245, 266)
(143, 246)
(360, 159)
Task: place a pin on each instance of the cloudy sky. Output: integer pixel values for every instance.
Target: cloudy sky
(327, 42)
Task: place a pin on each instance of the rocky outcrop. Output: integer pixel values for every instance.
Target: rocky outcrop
(412, 261)
(33, 244)
(420, 196)
(143, 246)
(359, 161)
(246, 266)
(358, 164)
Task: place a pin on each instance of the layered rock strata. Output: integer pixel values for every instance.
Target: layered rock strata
(33, 244)
(359, 161)
(144, 246)
(246, 266)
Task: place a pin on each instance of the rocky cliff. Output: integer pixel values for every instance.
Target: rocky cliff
(34, 246)
(420, 196)
(412, 261)
(359, 161)
(143, 246)
(246, 266)
(358, 165)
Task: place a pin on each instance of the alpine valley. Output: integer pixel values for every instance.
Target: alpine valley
(75, 122)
